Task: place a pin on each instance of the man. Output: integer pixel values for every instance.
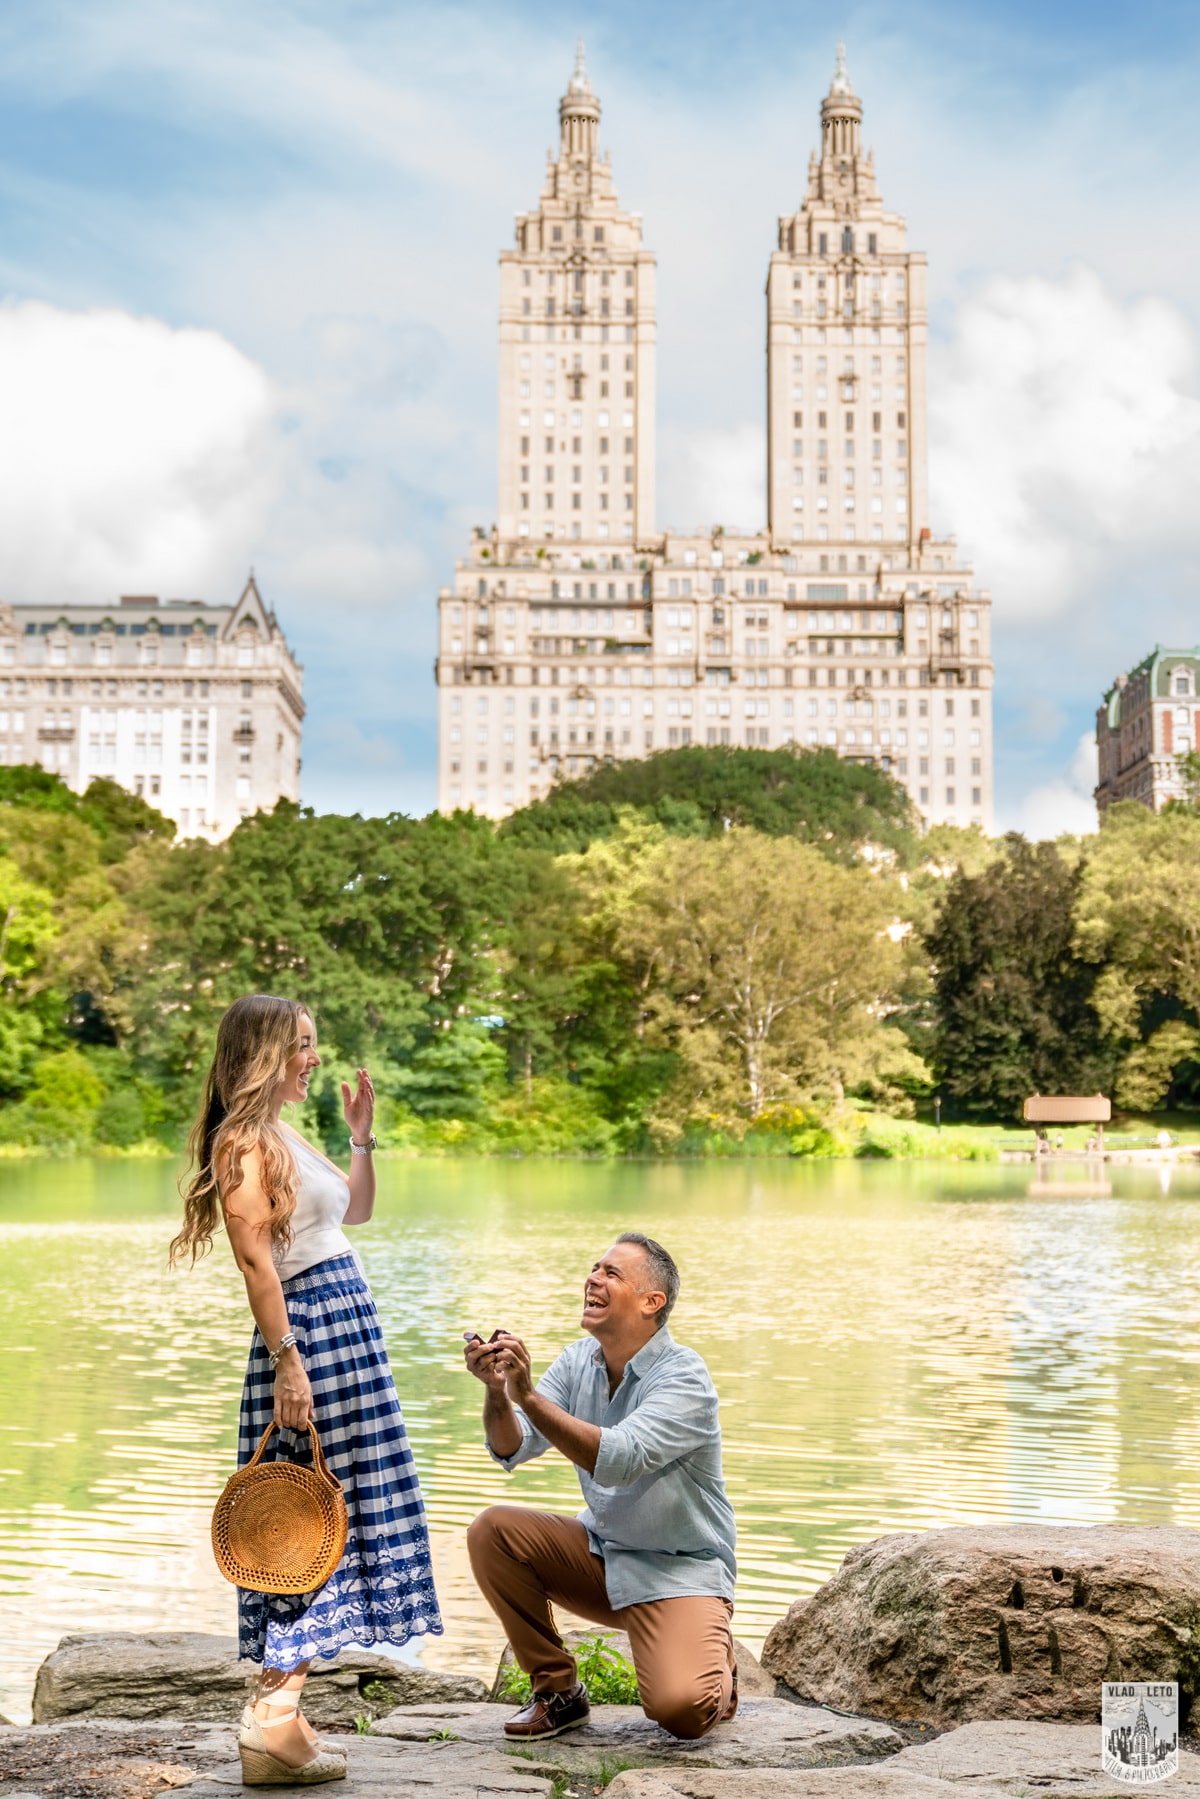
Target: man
(652, 1553)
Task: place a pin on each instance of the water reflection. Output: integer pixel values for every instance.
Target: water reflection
(895, 1348)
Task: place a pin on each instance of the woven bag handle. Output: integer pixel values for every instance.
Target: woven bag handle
(319, 1463)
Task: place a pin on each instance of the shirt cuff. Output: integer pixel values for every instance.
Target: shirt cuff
(521, 1452)
(612, 1458)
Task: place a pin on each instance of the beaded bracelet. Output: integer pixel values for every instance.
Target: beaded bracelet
(287, 1341)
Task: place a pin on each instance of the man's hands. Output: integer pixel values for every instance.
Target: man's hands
(481, 1358)
(503, 1366)
(505, 1369)
(514, 1366)
(500, 1422)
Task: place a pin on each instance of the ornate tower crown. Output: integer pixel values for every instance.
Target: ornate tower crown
(579, 112)
(841, 114)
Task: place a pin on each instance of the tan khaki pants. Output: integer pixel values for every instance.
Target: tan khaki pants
(525, 1562)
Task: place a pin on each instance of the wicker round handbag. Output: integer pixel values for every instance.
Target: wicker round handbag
(279, 1527)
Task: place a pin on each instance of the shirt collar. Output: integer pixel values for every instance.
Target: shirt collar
(646, 1356)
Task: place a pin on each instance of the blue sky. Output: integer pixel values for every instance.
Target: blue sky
(247, 260)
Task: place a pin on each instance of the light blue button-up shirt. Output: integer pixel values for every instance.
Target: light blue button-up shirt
(656, 1508)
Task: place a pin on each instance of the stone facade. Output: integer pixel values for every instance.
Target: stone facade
(198, 708)
(1150, 717)
(575, 631)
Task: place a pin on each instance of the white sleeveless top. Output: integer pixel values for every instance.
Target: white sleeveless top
(322, 1197)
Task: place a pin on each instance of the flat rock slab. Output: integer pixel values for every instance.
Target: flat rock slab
(120, 1761)
(1049, 1759)
(886, 1781)
(1001, 1621)
(766, 1733)
(198, 1678)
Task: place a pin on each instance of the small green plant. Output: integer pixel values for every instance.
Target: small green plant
(377, 1693)
(443, 1736)
(608, 1677)
(610, 1769)
(362, 1724)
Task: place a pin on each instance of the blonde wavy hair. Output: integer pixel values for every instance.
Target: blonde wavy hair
(256, 1039)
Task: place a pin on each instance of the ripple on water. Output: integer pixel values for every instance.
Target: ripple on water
(896, 1349)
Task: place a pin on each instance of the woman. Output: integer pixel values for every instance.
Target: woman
(317, 1353)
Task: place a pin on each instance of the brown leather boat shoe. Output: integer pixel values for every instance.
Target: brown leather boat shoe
(549, 1714)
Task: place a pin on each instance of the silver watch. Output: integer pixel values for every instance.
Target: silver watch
(363, 1149)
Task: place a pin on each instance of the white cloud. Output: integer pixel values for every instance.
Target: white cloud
(1064, 803)
(1064, 437)
(713, 477)
(133, 458)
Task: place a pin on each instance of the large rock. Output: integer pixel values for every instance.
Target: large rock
(1017, 1621)
(192, 1677)
(753, 1680)
(766, 1733)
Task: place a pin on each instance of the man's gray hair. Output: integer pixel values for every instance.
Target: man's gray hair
(664, 1275)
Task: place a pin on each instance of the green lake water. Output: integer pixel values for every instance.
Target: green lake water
(896, 1347)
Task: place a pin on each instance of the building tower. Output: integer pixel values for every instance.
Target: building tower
(577, 345)
(846, 347)
(574, 632)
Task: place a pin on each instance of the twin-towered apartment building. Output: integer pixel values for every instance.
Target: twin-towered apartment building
(578, 631)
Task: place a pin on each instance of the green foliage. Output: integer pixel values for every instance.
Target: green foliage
(764, 970)
(450, 1074)
(1145, 1076)
(709, 952)
(891, 1138)
(815, 795)
(119, 819)
(21, 1037)
(1015, 1006)
(609, 1678)
(60, 1108)
(121, 1119)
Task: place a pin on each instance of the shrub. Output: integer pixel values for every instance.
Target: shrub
(59, 1110)
(121, 1119)
(608, 1677)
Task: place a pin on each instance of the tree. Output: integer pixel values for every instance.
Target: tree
(119, 818)
(1014, 1005)
(814, 795)
(767, 970)
(1138, 924)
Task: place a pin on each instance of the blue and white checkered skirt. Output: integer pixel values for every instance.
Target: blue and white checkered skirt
(382, 1590)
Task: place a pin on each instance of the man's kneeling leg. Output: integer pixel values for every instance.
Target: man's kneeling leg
(526, 1561)
(683, 1652)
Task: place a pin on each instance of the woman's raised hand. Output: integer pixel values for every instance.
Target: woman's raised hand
(359, 1106)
